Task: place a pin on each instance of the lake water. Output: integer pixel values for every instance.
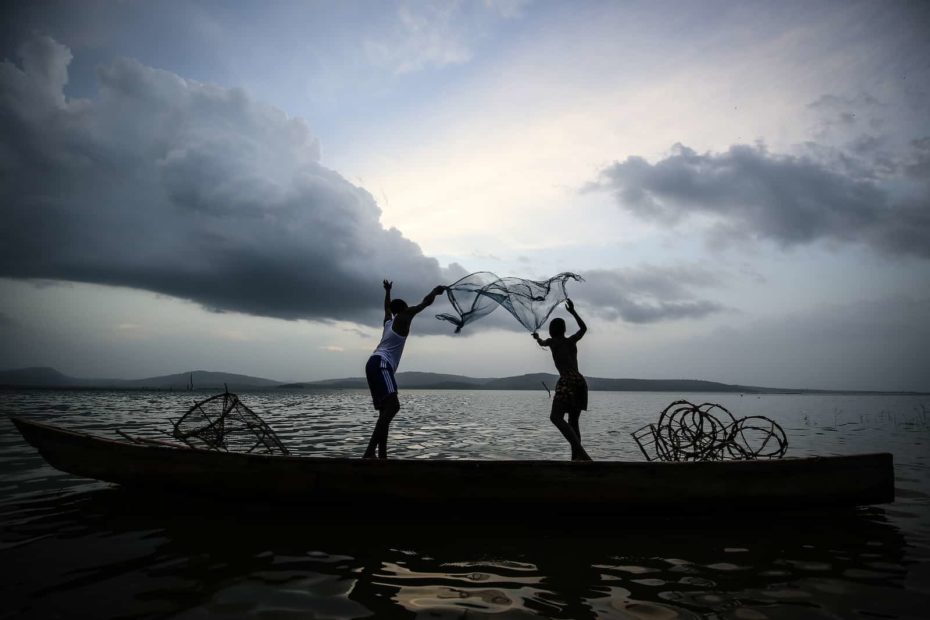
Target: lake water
(75, 548)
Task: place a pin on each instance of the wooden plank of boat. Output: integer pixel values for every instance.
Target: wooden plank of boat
(597, 486)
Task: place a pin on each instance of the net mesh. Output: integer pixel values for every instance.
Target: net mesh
(708, 432)
(529, 301)
(223, 422)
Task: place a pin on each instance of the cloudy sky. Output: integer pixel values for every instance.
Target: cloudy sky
(744, 186)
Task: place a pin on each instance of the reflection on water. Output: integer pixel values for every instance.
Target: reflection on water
(81, 548)
(146, 556)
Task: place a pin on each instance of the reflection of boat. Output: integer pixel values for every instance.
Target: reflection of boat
(413, 563)
(600, 486)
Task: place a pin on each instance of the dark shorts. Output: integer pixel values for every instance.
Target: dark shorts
(381, 381)
(571, 393)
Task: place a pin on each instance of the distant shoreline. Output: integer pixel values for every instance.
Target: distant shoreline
(317, 388)
(46, 378)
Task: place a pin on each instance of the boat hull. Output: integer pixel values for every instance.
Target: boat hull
(595, 487)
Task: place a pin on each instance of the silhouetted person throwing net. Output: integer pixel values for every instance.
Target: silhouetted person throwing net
(529, 301)
(384, 361)
(571, 390)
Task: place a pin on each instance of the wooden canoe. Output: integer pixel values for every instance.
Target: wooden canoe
(615, 487)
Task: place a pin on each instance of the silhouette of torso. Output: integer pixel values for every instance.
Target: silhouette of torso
(564, 354)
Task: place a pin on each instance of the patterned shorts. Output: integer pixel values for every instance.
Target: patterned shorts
(571, 393)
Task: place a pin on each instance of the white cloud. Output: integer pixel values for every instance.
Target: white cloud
(429, 34)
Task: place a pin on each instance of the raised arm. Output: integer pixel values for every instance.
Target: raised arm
(582, 328)
(430, 297)
(540, 341)
(387, 300)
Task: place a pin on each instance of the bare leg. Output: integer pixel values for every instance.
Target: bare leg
(389, 409)
(573, 417)
(557, 418)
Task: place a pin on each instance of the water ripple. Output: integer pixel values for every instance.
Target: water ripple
(75, 544)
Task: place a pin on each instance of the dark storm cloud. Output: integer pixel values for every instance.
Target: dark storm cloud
(842, 114)
(187, 189)
(918, 166)
(648, 294)
(790, 200)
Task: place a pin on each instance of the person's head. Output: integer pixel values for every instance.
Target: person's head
(557, 328)
(398, 306)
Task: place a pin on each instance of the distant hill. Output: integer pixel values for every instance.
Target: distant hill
(202, 379)
(335, 384)
(532, 381)
(679, 385)
(38, 376)
(535, 381)
(199, 379)
(45, 377)
(435, 379)
(409, 380)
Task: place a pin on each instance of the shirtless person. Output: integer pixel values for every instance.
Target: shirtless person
(571, 391)
(383, 364)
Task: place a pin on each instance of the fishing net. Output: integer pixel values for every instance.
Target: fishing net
(530, 302)
(708, 432)
(223, 422)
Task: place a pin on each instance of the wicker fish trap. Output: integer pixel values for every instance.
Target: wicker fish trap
(709, 432)
(223, 422)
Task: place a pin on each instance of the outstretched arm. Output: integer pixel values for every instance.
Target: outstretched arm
(540, 341)
(414, 310)
(582, 328)
(387, 300)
